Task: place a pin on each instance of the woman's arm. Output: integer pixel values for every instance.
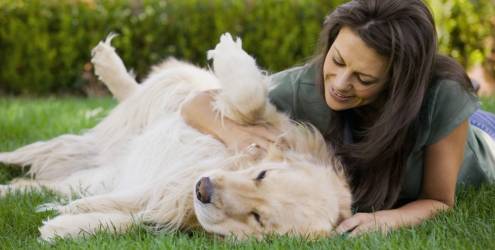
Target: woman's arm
(199, 114)
(441, 169)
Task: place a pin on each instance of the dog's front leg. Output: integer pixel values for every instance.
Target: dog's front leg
(127, 202)
(81, 225)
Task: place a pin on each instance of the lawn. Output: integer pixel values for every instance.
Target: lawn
(471, 225)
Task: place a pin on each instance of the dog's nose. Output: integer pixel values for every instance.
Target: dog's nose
(204, 190)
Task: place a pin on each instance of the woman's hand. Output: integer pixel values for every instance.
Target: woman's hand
(382, 221)
(199, 114)
(442, 164)
(238, 137)
(411, 214)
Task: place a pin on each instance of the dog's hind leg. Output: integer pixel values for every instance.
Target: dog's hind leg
(111, 70)
(86, 224)
(20, 186)
(23, 185)
(58, 157)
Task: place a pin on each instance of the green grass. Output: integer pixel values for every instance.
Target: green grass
(471, 225)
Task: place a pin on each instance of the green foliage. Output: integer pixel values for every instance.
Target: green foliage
(45, 44)
(463, 28)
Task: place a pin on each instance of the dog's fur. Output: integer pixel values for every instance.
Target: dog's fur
(144, 164)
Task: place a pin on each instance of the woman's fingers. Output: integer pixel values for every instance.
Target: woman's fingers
(238, 137)
(351, 223)
(363, 223)
(269, 134)
(354, 222)
(254, 143)
(246, 136)
(370, 226)
(363, 228)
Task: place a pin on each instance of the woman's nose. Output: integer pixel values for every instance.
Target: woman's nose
(342, 81)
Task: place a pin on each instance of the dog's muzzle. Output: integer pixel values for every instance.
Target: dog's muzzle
(204, 190)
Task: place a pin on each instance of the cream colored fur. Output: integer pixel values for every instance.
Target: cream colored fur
(142, 162)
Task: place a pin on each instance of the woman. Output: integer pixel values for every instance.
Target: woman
(395, 112)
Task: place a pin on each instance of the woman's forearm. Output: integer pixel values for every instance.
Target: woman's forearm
(410, 214)
(198, 113)
(415, 212)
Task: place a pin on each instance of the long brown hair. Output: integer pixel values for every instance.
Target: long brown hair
(404, 32)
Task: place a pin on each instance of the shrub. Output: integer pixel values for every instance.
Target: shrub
(464, 27)
(45, 44)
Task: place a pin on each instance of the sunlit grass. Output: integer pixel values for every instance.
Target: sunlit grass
(470, 226)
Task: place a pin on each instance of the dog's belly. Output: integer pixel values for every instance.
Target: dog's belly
(166, 151)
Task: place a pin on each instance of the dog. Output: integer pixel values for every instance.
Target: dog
(144, 164)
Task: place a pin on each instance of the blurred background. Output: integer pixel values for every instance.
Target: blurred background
(45, 44)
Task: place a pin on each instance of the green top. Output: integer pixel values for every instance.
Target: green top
(445, 107)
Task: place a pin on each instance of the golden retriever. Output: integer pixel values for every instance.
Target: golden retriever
(144, 164)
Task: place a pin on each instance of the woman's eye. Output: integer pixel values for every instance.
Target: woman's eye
(257, 217)
(365, 82)
(261, 175)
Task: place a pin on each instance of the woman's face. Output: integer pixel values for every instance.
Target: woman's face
(354, 74)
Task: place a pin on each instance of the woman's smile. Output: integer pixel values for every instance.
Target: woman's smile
(340, 97)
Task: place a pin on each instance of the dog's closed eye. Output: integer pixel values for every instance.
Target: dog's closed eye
(257, 217)
(261, 175)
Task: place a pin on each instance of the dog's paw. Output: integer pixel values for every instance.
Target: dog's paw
(230, 61)
(63, 226)
(103, 46)
(3, 157)
(107, 63)
(50, 231)
(226, 46)
(8, 158)
(4, 189)
(7, 189)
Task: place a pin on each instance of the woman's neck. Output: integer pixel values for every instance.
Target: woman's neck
(366, 116)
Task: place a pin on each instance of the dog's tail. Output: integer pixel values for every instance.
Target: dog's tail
(111, 70)
(244, 86)
(56, 158)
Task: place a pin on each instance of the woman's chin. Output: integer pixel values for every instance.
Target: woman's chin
(340, 106)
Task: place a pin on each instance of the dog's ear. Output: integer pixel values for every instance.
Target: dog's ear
(306, 139)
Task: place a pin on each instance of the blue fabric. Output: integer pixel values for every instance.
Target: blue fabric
(485, 121)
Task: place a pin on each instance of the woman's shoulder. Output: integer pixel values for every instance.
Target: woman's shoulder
(304, 74)
(448, 88)
(447, 103)
(445, 97)
(290, 85)
(296, 94)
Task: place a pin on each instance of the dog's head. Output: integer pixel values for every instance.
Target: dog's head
(286, 193)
